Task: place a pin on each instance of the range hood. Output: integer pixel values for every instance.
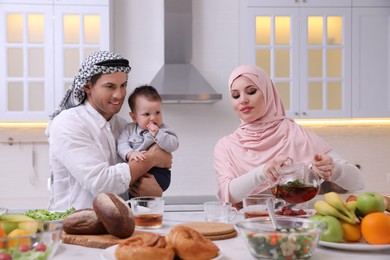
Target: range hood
(178, 81)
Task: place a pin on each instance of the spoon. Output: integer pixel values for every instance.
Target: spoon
(271, 213)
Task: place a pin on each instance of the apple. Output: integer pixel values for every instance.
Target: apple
(333, 231)
(368, 202)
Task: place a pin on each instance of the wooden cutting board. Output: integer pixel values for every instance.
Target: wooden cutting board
(97, 241)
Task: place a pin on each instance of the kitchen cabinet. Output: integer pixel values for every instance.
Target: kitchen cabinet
(305, 46)
(43, 43)
(371, 58)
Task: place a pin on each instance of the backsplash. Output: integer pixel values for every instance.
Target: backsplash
(24, 167)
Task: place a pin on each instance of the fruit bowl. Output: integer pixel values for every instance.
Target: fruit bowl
(29, 239)
(295, 238)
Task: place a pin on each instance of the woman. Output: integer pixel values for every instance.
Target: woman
(248, 160)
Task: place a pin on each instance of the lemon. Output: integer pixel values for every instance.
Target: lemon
(14, 239)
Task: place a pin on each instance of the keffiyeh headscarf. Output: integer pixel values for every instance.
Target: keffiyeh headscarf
(101, 62)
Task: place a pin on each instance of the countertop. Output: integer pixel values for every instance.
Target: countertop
(233, 248)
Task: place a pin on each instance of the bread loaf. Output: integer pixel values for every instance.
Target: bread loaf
(115, 214)
(83, 222)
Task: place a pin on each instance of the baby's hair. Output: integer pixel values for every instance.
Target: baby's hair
(147, 91)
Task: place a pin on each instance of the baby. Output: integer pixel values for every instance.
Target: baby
(146, 129)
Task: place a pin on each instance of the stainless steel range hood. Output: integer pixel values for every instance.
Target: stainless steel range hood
(178, 81)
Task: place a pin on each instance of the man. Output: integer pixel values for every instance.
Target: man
(82, 139)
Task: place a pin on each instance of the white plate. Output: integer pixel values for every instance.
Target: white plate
(354, 246)
(109, 253)
(309, 213)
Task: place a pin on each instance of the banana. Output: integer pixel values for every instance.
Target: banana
(337, 202)
(324, 208)
(351, 206)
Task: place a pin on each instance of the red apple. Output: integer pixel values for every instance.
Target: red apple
(368, 202)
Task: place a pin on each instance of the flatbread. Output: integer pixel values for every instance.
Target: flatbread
(213, 230)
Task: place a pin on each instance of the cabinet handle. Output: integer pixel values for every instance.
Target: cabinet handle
(304, 113)
(296, 113)
(296, 1)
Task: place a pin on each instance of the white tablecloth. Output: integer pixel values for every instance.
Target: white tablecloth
(231, 248)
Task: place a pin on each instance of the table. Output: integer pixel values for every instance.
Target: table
(234, 248)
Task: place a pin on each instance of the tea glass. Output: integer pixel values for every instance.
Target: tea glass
(219, 211)
(256, 205)
(148, 212)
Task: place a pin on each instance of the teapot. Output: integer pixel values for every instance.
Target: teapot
(297, 183)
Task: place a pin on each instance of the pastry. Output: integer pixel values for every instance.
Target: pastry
(190, 244)
(148, 247)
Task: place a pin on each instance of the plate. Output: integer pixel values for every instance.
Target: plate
(354, 246)
(109, 253)
(309, 213)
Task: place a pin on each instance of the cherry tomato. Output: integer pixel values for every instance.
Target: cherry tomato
(40, 248)
(24, 248)
(4, 256)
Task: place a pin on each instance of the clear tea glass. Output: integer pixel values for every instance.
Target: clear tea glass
(148, 212)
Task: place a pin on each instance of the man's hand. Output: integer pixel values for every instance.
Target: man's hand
(159, 157)
(146, 186)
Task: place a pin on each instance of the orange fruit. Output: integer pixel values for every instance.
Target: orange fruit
(18, 237)
(376, 228)
(2, 234)
(352, 232)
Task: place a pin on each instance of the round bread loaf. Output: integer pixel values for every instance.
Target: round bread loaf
(115, 214)
(83, 222)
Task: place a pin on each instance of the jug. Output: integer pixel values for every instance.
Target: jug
(297, 183)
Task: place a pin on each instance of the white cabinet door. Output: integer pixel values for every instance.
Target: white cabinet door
(42, 43)
(325, 62)
(78, 32)
(295, 3)
(26, 76)
(306, 52)
(371, 62)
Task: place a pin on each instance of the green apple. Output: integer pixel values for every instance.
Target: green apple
(333, 231)
(8, 226)
(368, 202)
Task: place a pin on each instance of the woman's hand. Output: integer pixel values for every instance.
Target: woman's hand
(323, 166)
(272, 168)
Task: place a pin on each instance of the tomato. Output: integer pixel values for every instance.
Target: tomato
(4, 256)
(40, 247)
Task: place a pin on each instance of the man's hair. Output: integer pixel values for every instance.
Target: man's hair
(149, 92)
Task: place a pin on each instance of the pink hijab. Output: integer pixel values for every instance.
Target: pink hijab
(257, 142)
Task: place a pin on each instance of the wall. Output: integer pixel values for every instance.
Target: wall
(138, 34)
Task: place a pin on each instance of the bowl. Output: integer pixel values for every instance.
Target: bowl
(295, 238)
(29, 239)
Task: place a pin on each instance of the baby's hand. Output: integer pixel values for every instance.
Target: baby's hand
(153, 129)
(136, 156)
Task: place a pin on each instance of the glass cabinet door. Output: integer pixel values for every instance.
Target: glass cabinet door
(306, 52)
(325, 62)
(42, 45)
(274, 46)
(79, 31)
(26, 89)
